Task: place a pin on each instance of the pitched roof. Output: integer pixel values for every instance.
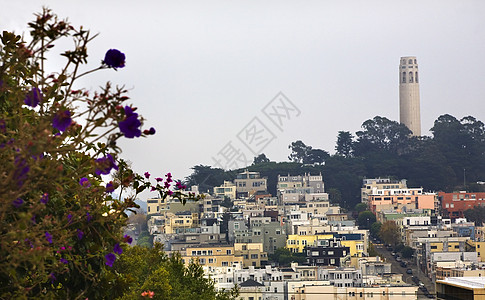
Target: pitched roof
(250, 282)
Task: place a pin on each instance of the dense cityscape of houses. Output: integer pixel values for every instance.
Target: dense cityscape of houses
(236, 230)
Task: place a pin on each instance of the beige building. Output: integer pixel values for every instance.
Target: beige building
(301, 181)
(251, 290)
(249, 183)
(388, 292)
(175, 222)
(227, 189)
(252, 254)
(213, 256)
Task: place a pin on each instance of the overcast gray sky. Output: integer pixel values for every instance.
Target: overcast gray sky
(203, 71)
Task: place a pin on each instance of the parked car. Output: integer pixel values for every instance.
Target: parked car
(415, 279)
(404, 264)
(409, 271)
(393, 253)
(398, 259)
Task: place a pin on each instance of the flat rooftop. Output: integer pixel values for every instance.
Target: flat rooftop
(467, 282)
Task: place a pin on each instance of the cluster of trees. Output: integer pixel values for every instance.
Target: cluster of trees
(382, 148)
(475, 214)
(283, 257)
(388, 232)
(150, 269)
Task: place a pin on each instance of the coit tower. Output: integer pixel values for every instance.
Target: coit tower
(409, 114)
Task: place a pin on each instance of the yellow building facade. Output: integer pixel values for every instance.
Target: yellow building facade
(296, 243)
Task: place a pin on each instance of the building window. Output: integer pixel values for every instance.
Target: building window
(411, 78)
(403, 77)
(225, 264)
(416, 77)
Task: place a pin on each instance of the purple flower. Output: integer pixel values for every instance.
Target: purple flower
(52, 277)
(109, 187)
(33, 97)
(48, 237)
(114, 59)
(29, 243)
(33, 220)
(21, 170)
(158, 179)
(88, 217)
(180, 186)
(147, 175)
(105, 164)
(84, 182)
(18, 202)
(69, 218)
(117, 249)
(128, 239)
(130, 125)
(170, 193)
(45, 198)
(169, 177)
(110, 259)
(62, 120)
(64, 261)
(80, 234)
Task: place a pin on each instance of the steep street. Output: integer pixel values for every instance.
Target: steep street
(408, 278)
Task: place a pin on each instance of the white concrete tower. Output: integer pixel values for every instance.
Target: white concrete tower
(409, 111)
